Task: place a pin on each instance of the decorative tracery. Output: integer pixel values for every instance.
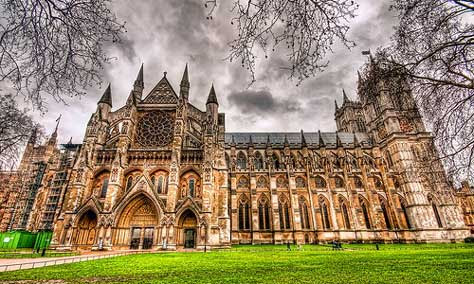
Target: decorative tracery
(155, 129)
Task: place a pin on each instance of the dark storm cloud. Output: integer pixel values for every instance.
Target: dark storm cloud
(166, 34)
(261, 103)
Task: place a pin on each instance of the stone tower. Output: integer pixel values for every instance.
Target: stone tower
(407, 151)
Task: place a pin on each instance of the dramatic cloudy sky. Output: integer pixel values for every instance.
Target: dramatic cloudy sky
(165, 34)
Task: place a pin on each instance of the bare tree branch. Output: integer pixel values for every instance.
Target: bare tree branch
(305, 29)
(16, 128)
(433, 46)
(54, 47)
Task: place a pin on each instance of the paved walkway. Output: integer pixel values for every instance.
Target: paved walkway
(28, 263)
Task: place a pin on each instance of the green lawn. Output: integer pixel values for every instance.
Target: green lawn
(448, 263)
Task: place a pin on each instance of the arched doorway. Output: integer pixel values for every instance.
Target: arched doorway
(188, 229)
(86, 231)
(137, 226)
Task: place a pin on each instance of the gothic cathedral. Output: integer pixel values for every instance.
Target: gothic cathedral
(160, 173)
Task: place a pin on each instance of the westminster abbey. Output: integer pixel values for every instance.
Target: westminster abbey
(160, 173)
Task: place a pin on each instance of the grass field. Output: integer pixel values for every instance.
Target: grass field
(447, 263)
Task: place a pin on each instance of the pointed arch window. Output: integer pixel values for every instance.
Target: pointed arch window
(258, 161)
(153, 181)
(105, 185)
(339, 182)
(243, 182)
(365, 212)
(345, 213)
(166, 180)
(130, 183)
(264, 214)
(300, 182)
(304, 213)
(191, 187)
(293, 162)
(386, 216)
(320, 182)
(262, 182)
(361, 124)
(377, 107)
(241, 161)
(244, 215)
(355, 164)
(284, 212)
(323, 204)
(281, 182)
(436, 212)
(159, 187)
(276, 162)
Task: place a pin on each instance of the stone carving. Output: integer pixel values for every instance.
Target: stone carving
(155, 129)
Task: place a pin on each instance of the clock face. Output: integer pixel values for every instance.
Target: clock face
(155, 129)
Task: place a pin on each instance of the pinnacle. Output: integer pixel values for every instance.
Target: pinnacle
(303, 139)
(106, 97)
(344, 96)
(139, 80)
(321, 141)
(212, 98)
(185, 79)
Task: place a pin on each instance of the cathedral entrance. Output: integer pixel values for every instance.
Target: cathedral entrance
(187, 228)
(148, 238)
(85, 233)
(189, 236)
(135, 240)
(137, 226)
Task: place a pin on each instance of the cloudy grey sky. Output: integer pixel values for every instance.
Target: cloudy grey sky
(165, 34)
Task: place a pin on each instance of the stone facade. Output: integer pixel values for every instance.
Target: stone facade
(159, 173)
(465, 198)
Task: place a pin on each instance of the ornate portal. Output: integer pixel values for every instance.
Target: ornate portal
(155, 129)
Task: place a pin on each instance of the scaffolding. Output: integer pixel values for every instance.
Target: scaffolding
(33, 190)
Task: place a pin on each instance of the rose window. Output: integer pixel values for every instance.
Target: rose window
(155, 129)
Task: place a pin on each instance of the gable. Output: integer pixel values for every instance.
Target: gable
(162, 93)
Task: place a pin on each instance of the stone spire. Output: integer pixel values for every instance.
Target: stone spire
(139, 81)
(136, 93)
(303, 139)
(185, 79)
(335, 103)
(338, 140)
(212, 98)
(132, 100)
(344, 96)
(54, 135)
(106, 97)
(321, 141)
(184, 86)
